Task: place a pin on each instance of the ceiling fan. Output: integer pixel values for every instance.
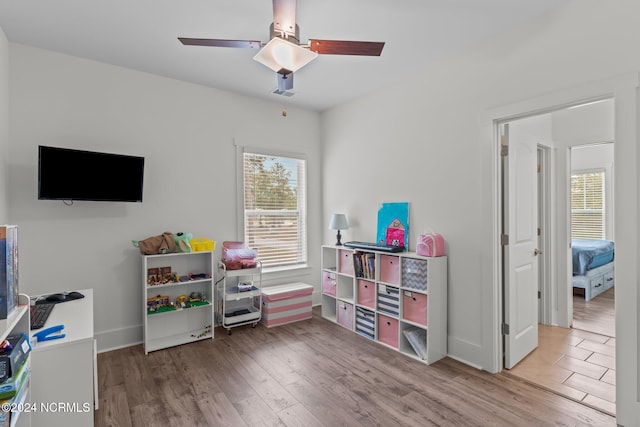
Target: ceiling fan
(283, 53)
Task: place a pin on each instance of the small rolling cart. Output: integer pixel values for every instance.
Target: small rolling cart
(239, 296)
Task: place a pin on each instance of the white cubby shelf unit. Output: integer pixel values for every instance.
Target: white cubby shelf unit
(396, 299)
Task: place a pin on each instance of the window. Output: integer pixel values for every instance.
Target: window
(275, 217)
(587, 205)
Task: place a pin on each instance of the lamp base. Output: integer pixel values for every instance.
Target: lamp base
(338, 237)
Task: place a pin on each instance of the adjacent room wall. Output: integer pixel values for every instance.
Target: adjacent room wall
(185, 132)
(4, 128)
(424, 141)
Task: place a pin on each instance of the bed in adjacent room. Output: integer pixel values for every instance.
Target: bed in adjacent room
(593, 266)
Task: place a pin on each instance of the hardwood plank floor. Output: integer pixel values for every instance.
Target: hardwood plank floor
(315, 373)
(597, 315)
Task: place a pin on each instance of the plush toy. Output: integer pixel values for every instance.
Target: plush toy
(182, 241)
(162, 244)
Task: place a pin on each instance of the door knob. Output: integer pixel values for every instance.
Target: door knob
(537, 252)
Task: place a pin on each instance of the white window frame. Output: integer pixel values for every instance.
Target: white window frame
(303, 224)
(602, 171)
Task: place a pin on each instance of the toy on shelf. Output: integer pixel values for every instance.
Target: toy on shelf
(182, 241)
(235, 256)
(199, 244)
(159, 304)
(162, 244)
(169, 242)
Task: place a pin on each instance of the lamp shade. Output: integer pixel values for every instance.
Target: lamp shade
(339, 222)
(280, 54)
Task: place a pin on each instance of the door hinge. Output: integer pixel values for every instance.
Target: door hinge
(539, 231)
(539, 294)
(504, 239)
(505, 329)
(539, 167)
(504, 150)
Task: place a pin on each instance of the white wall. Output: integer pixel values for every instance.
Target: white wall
(424, 141)
(4, 128)
(186, 134)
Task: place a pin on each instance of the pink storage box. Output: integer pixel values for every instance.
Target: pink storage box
(367, 293)
(430, 244)
(288, 303)
(390, 269)
(414, 307)
(345, 314)
(345, 263)
(388, 330)
(329, 283)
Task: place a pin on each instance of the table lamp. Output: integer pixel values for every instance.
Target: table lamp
(338, 222)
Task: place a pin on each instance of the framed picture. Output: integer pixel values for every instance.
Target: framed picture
(393, 224)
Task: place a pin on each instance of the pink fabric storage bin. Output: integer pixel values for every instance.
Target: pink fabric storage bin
(345, 314)
(366, 293)
(390, 269)
(414, 307)
(329, 283)
(388, 330)
(430, 244)
(345, 262)
(284, 304)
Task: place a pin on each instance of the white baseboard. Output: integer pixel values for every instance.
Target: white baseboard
(118, 338)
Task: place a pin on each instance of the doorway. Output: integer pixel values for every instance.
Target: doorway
(575, 363)
(592, 206)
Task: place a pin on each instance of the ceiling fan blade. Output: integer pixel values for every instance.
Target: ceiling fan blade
(343, 47)
(284, 17)
(247, 44)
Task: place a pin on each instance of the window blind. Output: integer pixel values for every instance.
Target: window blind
(275, 218)
(588, 205)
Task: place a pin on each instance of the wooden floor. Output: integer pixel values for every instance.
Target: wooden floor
(597, 315)
(578, 363)
(314, 373)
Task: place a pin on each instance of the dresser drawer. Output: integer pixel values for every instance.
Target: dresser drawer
(388, 330)
(415, 274)
(388, 300)
(608, 280)
(329, 283)
(597, 285)
(365, 322)
(414, 307)
(390, 269)
(345, 314)
(366, 293)
(345, 262)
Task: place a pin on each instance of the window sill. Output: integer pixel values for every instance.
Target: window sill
(296, 269)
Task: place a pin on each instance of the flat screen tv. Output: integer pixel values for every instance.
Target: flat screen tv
(66, 174)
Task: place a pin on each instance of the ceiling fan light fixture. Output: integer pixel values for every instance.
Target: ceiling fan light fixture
(279, 54)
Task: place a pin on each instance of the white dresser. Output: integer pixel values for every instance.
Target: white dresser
(63, 371)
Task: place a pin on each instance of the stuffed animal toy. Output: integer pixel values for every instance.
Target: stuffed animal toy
(182, 241)
(163, 244)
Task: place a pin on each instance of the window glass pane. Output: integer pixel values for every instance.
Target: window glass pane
(587, 205)
(275, 208)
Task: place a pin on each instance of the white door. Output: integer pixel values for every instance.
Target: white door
(520, 248)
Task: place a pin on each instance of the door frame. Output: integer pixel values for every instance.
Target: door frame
(545, 220)
(624, 91)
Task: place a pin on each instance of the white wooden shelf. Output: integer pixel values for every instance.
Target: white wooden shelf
(403, 292)
(176, 327)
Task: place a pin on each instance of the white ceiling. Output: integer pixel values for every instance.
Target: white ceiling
(142, 35)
